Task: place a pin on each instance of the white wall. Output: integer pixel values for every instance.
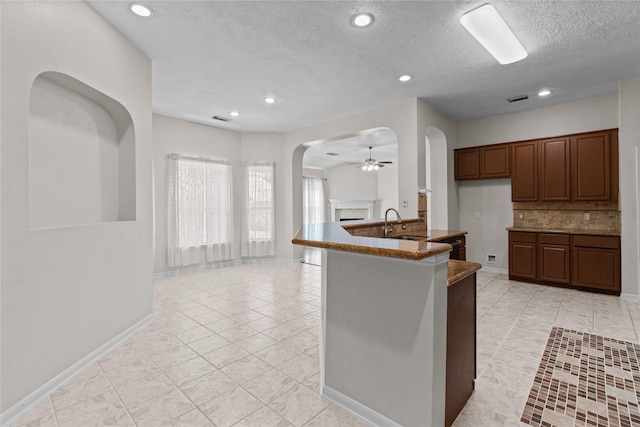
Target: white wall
(387, 190)
(492, 198)
(66, 291)
(629, 146)
(352, 183)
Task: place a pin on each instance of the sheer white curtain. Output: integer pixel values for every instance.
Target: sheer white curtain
(200, 210)
(258, 219)
(312, 213)
(313, 199)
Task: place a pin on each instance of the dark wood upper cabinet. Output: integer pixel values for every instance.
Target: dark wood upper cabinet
(579, 167)
(467, 163)
(495, 161)
(524, 171)
(554, 170)
(485, 162)
(594, 175)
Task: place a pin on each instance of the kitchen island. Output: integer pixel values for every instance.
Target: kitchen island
(383, 345)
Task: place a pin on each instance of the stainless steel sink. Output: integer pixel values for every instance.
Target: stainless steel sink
(402, 237)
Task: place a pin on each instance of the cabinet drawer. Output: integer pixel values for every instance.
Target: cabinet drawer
(606, 242)
(554, 239)
(522, 236)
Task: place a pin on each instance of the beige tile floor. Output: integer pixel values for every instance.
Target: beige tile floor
(239, 346)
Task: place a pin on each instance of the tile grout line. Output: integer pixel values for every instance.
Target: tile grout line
(104, 374)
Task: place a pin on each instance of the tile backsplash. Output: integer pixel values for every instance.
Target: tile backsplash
(567, 215)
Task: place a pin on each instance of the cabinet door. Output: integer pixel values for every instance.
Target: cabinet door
(467, 163)
(591, 166)
(597, 268)
(553, 263)
(524, 171)
(555, 176)
(495, 161)
(522, 260)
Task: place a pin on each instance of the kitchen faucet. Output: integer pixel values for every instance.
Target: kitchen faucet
(389, 229)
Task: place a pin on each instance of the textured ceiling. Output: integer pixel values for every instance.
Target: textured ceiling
(211, 57)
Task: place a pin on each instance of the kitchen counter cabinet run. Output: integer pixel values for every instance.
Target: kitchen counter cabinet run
(386, 349)
(583, 261)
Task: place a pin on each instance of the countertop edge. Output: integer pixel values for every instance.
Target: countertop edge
(335, 236)
(611, 233)
(458, 270)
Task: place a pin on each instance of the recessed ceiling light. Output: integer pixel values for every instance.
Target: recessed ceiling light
(362, 19)
(544, 92)
(404, 78)
(140, 10)
(270, 100)
(234, 113)
(488, 27)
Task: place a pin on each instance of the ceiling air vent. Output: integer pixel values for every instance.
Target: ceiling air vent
(222, 119)
(518, 98)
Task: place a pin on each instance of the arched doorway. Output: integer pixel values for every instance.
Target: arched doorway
(436, 169)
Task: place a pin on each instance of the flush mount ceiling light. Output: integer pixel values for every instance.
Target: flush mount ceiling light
(140, 10)
(544, 92)
(270, 100)
(362, 20)
(234, 113)
(488, 27)
(404, 78)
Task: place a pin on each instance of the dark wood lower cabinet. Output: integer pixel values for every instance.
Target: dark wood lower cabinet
(522, 255)
(461, 345)
(554, 258)
(580, 261)
(596, 262)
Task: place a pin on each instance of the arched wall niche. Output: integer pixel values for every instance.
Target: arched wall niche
(81, 155)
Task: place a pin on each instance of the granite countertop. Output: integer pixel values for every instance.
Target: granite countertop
(458, 270)
(332, 235)
(613, 233)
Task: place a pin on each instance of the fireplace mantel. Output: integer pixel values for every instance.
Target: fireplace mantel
(366, 206)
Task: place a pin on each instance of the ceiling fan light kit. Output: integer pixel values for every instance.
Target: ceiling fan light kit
(372, 164)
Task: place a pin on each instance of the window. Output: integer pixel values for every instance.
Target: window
(259, 216)
(313, 210)
(200, 210)
(313, 199)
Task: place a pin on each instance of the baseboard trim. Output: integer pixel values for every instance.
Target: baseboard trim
(29, 402)
(356, 408)
(494, 270)
(185, 270)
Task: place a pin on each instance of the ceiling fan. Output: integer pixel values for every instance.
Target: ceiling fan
(371, 163)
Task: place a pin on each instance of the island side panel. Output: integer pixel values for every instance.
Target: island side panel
(384, 336)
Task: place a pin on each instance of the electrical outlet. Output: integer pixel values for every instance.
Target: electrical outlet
(476, 215)
(587, 216)
(520, 215)
(405, 203)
